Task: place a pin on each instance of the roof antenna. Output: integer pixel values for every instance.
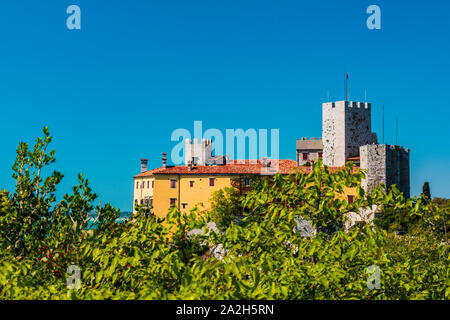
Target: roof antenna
(365, 95)
(328, 95)
(383, 123)
(396, 131)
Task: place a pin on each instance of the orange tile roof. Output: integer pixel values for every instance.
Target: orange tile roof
(234, 167)
(285, 166)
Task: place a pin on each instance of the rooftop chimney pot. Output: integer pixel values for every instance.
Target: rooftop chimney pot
(164, 159)
(144, 165)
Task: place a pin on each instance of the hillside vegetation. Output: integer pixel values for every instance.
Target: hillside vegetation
(46, 244)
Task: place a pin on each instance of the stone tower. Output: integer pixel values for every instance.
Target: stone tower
(346, 127)
(197, 153)
(386, 164)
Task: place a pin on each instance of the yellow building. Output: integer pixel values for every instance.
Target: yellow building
(189, 186)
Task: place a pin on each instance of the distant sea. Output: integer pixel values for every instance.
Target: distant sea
(122, 218)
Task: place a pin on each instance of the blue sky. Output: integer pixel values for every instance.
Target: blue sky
(114, 91)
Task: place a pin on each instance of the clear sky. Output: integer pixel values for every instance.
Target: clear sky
(114, 91)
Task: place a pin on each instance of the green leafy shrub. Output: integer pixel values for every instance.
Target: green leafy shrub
(262, 258)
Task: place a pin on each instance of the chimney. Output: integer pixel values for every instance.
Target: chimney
(144, 165)
(264, 161)
(164, 159)
(189, 165)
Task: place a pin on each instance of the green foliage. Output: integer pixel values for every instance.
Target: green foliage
(226, 207)
(426, 191)
(397, 220)
(442, 202)
(33, 225)
(262, 258)
(317, 196)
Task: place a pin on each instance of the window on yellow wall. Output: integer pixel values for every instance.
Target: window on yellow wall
(173, 202)
(350, 198)
(173, 183)
(247, 182)
(153, 184)
(184, 205)
(191, 183)
(211, 182)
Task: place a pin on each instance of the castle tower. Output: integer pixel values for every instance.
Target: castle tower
(197, 153)
(346, 127)
(386, 164)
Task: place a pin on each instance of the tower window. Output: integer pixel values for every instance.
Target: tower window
(173, 183)
(137, 185)
(148, 184)
(153, 184)
(305, 156)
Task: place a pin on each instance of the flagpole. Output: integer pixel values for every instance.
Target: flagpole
(346, 87)
(383, 123)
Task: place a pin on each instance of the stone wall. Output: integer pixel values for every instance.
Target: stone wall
(358, 128)
(397, 169)
(313, 156)
(385, 164)
(333, 132)
(373, 160)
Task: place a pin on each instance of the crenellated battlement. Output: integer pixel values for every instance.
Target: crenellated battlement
(358, 105)
(399, 148)
(197, 153)
(347, 104)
